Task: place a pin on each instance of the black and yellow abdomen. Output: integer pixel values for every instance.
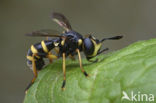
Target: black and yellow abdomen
(38, 52)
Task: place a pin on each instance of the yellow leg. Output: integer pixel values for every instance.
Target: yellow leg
(64, 71)
(56, 50)
(34, 72)
(50, 56)
(34, 67)
(80, 62)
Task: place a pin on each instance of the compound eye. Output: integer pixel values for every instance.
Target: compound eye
(88, 46)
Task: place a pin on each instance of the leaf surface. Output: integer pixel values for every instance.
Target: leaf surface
(130, 69)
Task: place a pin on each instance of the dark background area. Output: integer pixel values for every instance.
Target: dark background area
(135, 19)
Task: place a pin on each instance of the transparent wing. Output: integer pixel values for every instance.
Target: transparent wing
(45, 33)
(61, 20)
(49, 31)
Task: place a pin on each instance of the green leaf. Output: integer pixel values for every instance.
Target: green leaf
(130, 69)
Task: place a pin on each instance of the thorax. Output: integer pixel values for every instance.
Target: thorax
(71, 43)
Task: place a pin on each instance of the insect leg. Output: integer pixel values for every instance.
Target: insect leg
(105, 49)
(34, 72)
(50, 56)
(34, 68)
(64, 71)
(56, 49)
(93, 61)
(80, 62)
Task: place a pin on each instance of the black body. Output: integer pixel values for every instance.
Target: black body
(69, 47)
(71, 43)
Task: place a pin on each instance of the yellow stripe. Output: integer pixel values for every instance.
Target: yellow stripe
(30, 58)
(96, 48)
(45, 49)
(33, 49)
(79, 42)
(62, 42)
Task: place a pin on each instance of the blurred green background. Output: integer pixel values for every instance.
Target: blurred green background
(135, 19)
